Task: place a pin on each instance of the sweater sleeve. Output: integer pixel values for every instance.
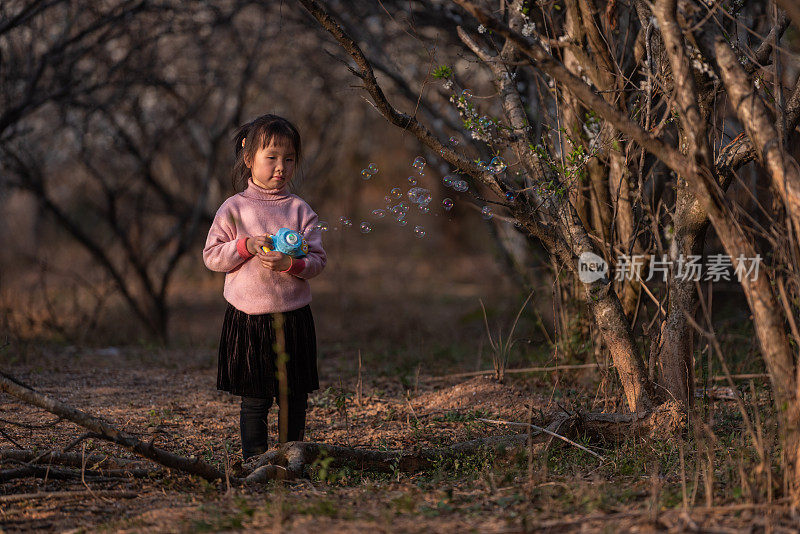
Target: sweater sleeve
(223, 252)
(316, 258)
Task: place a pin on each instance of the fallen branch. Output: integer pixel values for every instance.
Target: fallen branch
(68, 495)
(69, 459)
(194, 466)
(58, 473)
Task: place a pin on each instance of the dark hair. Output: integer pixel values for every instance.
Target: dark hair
(257, 134)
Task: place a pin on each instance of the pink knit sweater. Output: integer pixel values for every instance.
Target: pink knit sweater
(249, 286)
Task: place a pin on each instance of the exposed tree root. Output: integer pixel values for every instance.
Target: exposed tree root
(290, 459)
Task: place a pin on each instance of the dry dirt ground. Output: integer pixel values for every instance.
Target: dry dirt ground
(411, 315)
(169, 396)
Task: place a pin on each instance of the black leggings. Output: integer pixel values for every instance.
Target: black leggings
(253, 422)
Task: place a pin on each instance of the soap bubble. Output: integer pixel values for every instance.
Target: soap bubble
(486, 212)
(419, 163)
(403, 206)
(447, 204)
(424, 208)
(466, 93)
(397, 192)
(510, 196)
(447, 181)
(372, 168)
(387, 199)
(419, 195)
(365, 174)
(498, 165)
(401, 219)
(412, 180)
(419, 231)
(396, 209)
(345, 222)
(379, 214)
(454, 141)
(460, 186)
(365, 227)
(322, 226)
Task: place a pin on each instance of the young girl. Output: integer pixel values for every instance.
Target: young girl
(268, 317)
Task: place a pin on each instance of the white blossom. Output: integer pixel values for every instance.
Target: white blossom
(528, 29)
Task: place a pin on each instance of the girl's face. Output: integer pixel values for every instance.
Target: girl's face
(273, 165)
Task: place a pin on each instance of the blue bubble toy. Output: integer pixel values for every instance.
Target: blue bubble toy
(287, 241)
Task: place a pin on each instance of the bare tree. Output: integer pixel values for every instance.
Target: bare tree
(649, 112)
(118, 120)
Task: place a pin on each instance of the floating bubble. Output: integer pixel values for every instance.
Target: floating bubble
(419, 195)
(345, 222)
(419, 163)
(486, 212)
(387, 199)
(466, 93)
(412, 180)
(510, 196)
(460, 186)
(403, 206)
(379, 214)
(447, 204)
(397, 192)
(454, 141)
(372, 168)
(402, 222)
(396, 209)
(322, 226)
(424, 208)
(419, 231)
(365, 227)
(447, 181)
(498, 165)
(365, 174)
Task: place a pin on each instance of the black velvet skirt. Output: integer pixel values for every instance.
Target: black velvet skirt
(253, 360)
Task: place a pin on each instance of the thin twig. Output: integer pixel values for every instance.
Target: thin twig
(546, 431)
(510, 371)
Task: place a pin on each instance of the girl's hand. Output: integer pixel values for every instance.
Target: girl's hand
(254, 244)
(274, 260)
